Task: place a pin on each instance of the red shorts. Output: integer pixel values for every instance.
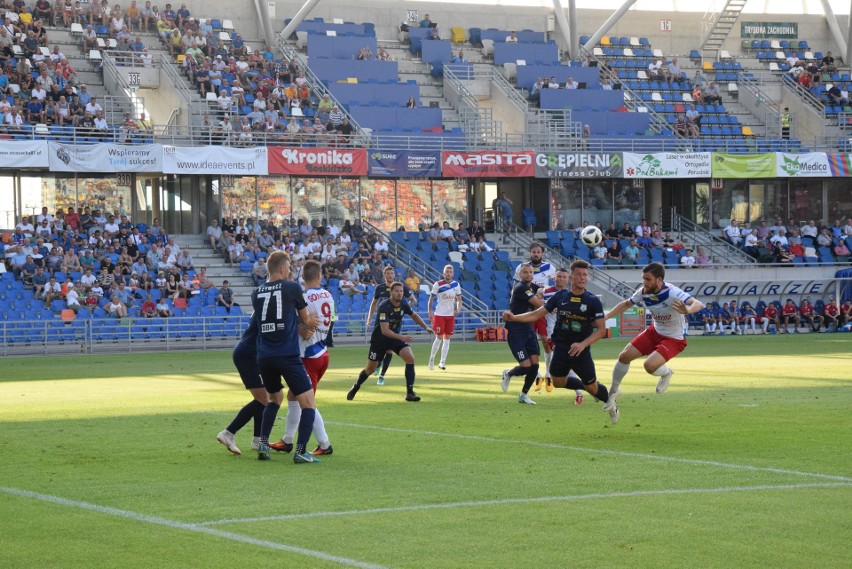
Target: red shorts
(540, 327)
(316, 368)
(443, 325)
(651, 341)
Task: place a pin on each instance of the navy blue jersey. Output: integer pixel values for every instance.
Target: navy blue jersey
(520, 304)
(276, 307)
(383, 292)
(387, 312)
(247, 346)
(574, 315)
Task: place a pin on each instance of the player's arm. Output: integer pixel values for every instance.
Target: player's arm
(371, 310)
(429, 305)
(619, 309)
(307, 319)
(458, 303)
(527, 316)
(600, 331)
(692, 306)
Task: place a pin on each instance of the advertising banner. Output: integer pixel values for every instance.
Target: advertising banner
(23, 154)
(317, 161)
(105, 157)
(776, 30)
(809, 164)
(667, 165)
(579, 165)
(404, 164)
(744, 165)
(487, 164)
(215, 160)
(840, 165)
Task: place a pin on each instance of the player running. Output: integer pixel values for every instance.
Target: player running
(661, 341)
(382, 294)
(560, 282)
(387, 338)
(314, 354)
(447, 307)
(522, 339)
(543, 276)
(280, 309)
(578, 323)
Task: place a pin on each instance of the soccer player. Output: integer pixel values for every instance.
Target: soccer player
(382, 294)
(831, 314)
(522, 338)
(245, 360)
(560, 282)
(770, 316)
(280, 310)
(387, 338)
(661, 341)
(448, 305)
(314, 354)
(790, 312)
(578, 323)
(708, 319)
(810, 316)
(543, 276)
(846, 313)
(749, 318)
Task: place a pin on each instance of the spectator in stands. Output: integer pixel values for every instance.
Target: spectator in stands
(163, 310)
(711, 95)
(365, 53)
(512, 38)
(674, 72)
(115, 308)
(226, 297)
(426, 22)
(614, 253)
(687, 260)
(824, 239)
(655, 70)
(599, 251)
(841, 249)
(694, 117)
(782, 255)
(835, 97)
(827, 64)
(459, 58)
(381, 247)
(731, 233)
(684, 128)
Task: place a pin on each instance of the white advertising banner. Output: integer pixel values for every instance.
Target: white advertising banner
(105, 157)
(23, 154)
(667, 165)
(806, 165)
(215, 160)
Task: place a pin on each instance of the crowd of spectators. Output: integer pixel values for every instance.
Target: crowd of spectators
(92, 259)
(794, 241)
(809, 75)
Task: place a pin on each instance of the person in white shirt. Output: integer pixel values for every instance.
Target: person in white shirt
(687, 259)
(447, 306)
(809, 229)
(661, 341)
(512, 38)
(72, 298)
(780, 238)
(732, 233)
(92, 106)
(26, 227)
(381, 246)
(333, 230)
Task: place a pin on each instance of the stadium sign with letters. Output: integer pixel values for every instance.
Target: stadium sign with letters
(317, 161)
(24, 154)
(487, 164)
(105, 157)
(579, 165)
(805, 165)
(404, 164)
(667, 165)
(777, 30)
(744, 165)
(215, 160)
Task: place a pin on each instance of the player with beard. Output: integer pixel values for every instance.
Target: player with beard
(661, 341)
(522, 338)
(560, 283)
(543, 277)
(382, 294)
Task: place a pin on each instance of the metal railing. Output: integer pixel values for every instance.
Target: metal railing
(802, 94)
(721, 251)
(112, 76)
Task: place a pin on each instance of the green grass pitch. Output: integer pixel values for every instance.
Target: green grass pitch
(745, 462)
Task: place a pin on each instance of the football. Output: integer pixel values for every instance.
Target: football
(591, 236)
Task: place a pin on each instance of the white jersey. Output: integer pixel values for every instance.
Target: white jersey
(543, 274)
(667, 321)
(321, 303)
(550, 317)
(447, 292)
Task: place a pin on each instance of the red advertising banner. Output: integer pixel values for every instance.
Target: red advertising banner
(317, 161)
(487, 164)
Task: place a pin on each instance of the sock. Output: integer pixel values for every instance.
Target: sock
(409, 377)
(602, 393)
(258, 419)
(618, 373)
(319, 430)
(329, 338)
(707, 327)
(529, 378)
(244, 416)
(269, 414)
(444, 350)
(574, 383)
(294, 413)
(548, 356)
(386, 364)
(435, 345)
(517, 370)
(662, 370)
(306, 426)
(362, 377)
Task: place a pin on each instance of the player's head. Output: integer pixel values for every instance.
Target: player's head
(652, 277)
(396, 292)
(579, 274)
(389, 274)
(526, 273)
(448, 273)
(312, 272)
(536, 252)
(278, 265)
(561, 278)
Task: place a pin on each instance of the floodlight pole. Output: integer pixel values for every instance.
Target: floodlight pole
(298, 18)
(848, 57)
(610, 22)
(263, 15)
(568, 35)
(831, 20)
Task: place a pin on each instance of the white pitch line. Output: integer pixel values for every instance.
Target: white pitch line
(187, 527)
(545, 499)
(598, 451)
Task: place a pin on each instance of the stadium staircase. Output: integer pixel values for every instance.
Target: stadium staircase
(720, 251)
(217, 268)
(720, 27)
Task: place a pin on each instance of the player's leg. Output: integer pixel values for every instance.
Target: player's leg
(622, 366)
(436, 344)
(449, 328)
(250, 376)
(306, 421)
(270, 371)
(544, 373)
(373, 355)
(517, 345)
(408, 357)
(532, 372)
(385, 364)
(657, 363)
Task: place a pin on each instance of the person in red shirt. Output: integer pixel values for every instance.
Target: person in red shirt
(91, 301)
(809, 315)
(831, 316)
(790, 312)
(72, 220)
(846, 313)
(149, 309)
(770, 316)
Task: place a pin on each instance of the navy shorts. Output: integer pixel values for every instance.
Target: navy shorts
(378, 349)
(582, 365)
(523, 343)
(290, 368)
(246, 364)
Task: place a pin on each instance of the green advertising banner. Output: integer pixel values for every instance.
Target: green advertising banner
(744, 165)
(777, 30)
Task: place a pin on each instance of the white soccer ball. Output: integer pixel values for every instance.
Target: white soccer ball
(591, 236)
